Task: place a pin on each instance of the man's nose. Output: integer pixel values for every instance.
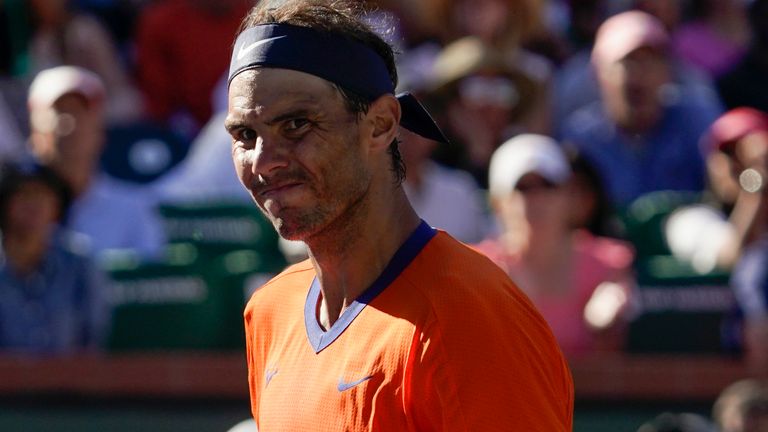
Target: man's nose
(269, 156)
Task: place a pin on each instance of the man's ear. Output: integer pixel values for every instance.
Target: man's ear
(384, 117)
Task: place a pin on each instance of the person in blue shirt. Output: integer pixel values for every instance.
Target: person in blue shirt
(642, 136)
(51, 296)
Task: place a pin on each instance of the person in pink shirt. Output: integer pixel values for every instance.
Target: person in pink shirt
(580, 283)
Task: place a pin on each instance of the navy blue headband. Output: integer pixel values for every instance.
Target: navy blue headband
(342, 61)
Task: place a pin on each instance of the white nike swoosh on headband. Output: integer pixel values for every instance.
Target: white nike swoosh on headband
(245, 49)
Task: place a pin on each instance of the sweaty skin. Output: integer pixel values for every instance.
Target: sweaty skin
(321, 175)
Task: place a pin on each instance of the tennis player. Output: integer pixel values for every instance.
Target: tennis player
(390, 325)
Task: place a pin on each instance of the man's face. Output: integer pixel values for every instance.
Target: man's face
(68, 136)
(631, 88)
(32, 210)
(535, 204)
(297, 150)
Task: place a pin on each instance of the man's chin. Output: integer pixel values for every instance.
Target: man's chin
(289, 231)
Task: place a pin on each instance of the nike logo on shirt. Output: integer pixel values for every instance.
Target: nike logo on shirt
(268, 375)
(246, 49)
(343, 385)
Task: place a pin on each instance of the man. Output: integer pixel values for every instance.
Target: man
(390, 325)
(642, 136)
(179, 57)
(66, 106)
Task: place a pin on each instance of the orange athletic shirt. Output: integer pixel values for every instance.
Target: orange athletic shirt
(442, 341)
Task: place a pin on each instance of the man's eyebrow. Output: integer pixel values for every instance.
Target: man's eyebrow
(231, 124)
(299, 112)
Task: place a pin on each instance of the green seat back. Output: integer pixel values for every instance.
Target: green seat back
(189, 302)
(679, 310)
(645, 217)
(217, 228)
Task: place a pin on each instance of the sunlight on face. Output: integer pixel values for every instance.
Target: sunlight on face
(296, 149)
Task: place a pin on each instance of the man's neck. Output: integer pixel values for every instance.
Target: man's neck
(351, 254)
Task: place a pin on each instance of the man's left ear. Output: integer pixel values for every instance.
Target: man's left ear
(384, 115)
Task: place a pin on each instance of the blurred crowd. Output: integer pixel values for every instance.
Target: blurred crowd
(610, 155)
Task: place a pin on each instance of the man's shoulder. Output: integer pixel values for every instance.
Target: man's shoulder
(449, 269)
(475, 307)
(451, 254)
(294, 281)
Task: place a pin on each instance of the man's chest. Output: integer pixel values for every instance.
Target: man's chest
(356, 383)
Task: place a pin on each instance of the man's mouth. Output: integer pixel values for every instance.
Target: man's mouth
(274, 191)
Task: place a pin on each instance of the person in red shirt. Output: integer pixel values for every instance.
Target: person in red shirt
(181, 55)
(390, 325)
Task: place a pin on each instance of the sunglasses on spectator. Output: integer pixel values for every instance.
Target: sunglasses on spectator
(488, 90)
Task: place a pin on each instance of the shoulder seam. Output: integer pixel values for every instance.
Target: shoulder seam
(286, 273)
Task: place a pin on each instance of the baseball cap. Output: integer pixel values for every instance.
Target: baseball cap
(623, 33)
(733, 126)
(524, 154)
(51, 84)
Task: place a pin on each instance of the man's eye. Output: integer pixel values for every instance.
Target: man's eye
(296, 124)
(247, 135)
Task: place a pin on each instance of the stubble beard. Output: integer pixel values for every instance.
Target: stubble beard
(330, 220)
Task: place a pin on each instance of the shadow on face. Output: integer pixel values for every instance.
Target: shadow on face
(631, 88)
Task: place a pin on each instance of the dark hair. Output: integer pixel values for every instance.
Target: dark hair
(600, 222)
(14, 176)
(340, 17)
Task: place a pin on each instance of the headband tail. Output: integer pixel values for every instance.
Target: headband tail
(416, 119)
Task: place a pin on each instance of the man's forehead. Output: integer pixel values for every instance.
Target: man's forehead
(264, 79)
(269, 87)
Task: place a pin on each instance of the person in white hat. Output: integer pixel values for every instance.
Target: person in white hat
(66, 106)
(580, 283)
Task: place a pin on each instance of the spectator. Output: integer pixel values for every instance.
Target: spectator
(61, 35)
(448, 198)
(593, 212)
(576, 84)
(484, 100)
(182, 52)
(717, 37)
(580, 283)
(66, 106)
(703, 236)
(742, 407)
(640, 137)
(715, 234)
(504, 26)
(744, 85)
(51, 296)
